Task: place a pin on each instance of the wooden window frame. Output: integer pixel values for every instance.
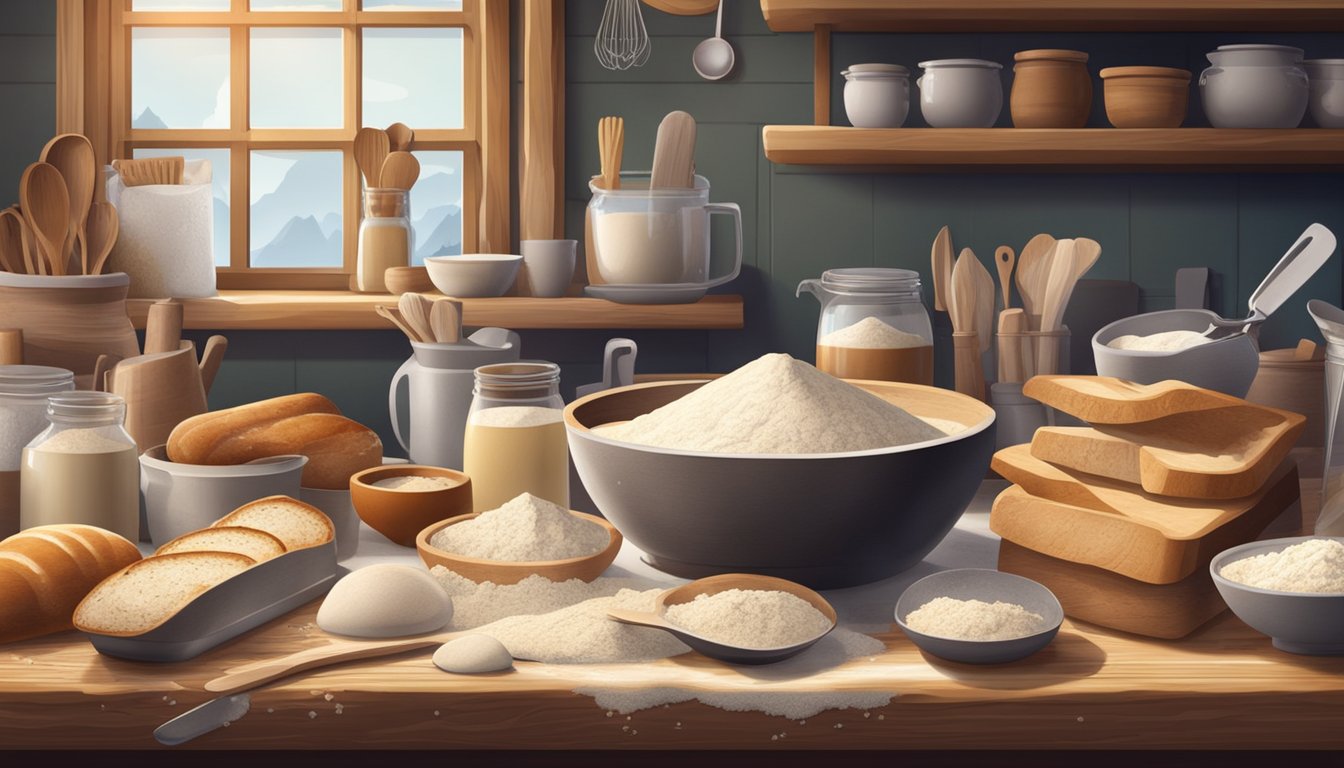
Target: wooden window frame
(93, 97)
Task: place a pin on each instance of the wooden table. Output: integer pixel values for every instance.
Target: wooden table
(1223, 687)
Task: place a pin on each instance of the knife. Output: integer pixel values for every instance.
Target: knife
(211, 715)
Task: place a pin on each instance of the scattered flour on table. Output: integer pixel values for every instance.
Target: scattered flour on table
(872, 333)
(775, 405)
(1167, 341)
(517, 416)
(525, 529)
(1316, 565)
(974, 620)
(476, 604)
(750, 618)
(415, 483)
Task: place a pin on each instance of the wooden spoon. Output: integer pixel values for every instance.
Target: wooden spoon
(72, 154)
(371, 148)
(14, 243)
(100, 232)
(393, 315)
(1033, 272)
(962, 309)
(674, 153)
(46, 208)
(1004, 259)
(399, 137)
(415, 311)
(400, 171)
(942, 268)
(445, 319)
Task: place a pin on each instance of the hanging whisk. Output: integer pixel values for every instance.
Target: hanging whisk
(622, 41)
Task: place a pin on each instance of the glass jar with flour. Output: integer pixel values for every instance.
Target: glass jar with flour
(83, 468)
(873, 325)
(385, 237)
(24, 390)
(515, 438)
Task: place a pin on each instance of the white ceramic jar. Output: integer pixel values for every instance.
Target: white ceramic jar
(877, 95)
(1254, 86)
(1327, 91)
(960, 93)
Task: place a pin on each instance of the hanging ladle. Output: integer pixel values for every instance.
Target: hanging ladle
(713, 58)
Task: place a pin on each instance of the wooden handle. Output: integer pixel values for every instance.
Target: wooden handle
(1004, 258)
(163, 327)
(969, 371)
(1012, 346)
(11, 346)
(1047, 354)
(250, 676)
(211, 359)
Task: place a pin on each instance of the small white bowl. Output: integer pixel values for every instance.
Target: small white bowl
(473, 275)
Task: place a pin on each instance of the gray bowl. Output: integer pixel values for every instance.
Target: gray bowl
(824, 520)
(1228, 365)
(1299, 622)
(988, 586)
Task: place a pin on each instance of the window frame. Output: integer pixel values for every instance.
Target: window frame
(100, 104)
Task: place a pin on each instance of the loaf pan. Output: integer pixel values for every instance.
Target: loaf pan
(263, 592)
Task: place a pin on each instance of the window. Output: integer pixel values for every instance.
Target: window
(272, 93)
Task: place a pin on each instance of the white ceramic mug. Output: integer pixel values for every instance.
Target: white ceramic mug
(549, 265)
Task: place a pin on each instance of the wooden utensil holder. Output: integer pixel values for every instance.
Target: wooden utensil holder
(1034, 351)
(67, 322)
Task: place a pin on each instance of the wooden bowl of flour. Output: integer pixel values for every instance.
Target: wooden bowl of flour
(401, 513)
(585, 568)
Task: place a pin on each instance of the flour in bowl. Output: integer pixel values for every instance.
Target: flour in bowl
(750, 618)
(1167, 341)
(525, 529)
(1315, 565)
(974, 620)
(872, 333)
(416, 483)
(775, 405)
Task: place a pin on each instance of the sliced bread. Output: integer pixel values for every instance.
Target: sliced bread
(147, 593)
(295, 523)
(255, 543)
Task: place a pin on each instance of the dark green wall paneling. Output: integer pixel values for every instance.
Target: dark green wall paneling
(797, 221)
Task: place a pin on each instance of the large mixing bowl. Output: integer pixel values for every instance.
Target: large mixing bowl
(825, 520)
(1227, 365)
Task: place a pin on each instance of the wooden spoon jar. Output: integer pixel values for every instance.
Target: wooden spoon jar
(1051, 89)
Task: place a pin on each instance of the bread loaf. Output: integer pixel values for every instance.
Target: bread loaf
(296, 524)
(306, 423)
(144, 595)
(46, 571)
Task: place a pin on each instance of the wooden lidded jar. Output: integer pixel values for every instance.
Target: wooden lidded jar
(1051, 89)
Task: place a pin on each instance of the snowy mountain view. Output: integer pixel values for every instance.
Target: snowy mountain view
(296, 209)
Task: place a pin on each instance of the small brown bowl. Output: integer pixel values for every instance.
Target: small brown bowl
(583, 568)
(1145, 97)
(401, 280)
(400, 515)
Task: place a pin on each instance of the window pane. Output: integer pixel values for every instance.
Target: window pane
(219, 169)
(436, 205)
(296, 78)
(295, 5)
(180, 5)
(296, 209)
(412, 5)
(180, 77)
(413, 76)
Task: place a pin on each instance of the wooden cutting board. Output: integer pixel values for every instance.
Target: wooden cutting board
(1107, 400)
(1104, 524)
(1166, 611)
(1228, 453)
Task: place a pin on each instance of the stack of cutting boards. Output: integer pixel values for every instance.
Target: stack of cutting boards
(1121, 518)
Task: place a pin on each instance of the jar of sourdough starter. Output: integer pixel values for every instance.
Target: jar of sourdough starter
(873, 325)
(385, 237)
(24, 390)
(515, 438)
(83, 468)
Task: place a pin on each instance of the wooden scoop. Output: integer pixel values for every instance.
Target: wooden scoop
(400, 171)
(722, 583)
(399, 137)
(46, 208)
(72, 154)
(100, 234)
(371, 148)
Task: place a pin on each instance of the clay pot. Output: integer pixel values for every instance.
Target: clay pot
(68, 321)
(1051, 89)
(1146, 97)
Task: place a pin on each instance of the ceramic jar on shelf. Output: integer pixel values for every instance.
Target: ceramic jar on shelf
(877, 95)
(1051, 89)
(1146, 97)
(960, 93)
(1254, 86)
(1326, 91)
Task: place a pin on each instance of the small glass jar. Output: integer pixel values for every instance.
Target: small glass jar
(515, 437)
(23, 415)
(386, 238)
(83, 468)
(873, 325)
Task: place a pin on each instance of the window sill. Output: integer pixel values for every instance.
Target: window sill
(343, 310)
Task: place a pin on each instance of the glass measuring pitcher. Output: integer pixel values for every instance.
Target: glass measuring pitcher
(873, 325)
(1330, 319)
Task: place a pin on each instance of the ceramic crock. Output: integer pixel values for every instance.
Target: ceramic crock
(1254, 86)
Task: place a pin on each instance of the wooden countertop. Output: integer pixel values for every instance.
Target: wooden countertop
(1223, 687)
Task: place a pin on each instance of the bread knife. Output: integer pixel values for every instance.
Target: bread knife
(211, 715)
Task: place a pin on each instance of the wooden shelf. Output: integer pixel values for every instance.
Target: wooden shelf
(1083, 149)
(1054, 15)
(339, 310)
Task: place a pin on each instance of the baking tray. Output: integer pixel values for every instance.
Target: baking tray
(244, 602)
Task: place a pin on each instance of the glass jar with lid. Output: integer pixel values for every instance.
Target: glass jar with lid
(515, 438)
(83, 468)
(873, 325)
(386, 238)
(24, 390)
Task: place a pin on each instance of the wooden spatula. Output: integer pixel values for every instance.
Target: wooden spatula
(415, 311)
(1033, 272)
(674, 153)
(942, 268)
(371, 148)
(72, 154)
(46, 208)
(100, 231)
(400, 171)
(962, 309)
(399, 137)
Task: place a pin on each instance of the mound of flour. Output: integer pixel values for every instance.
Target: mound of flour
(872, 333)
(1167, 341)
(775, 404)
(1315, 565)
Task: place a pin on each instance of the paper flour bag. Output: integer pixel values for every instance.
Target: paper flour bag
(166, 242)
